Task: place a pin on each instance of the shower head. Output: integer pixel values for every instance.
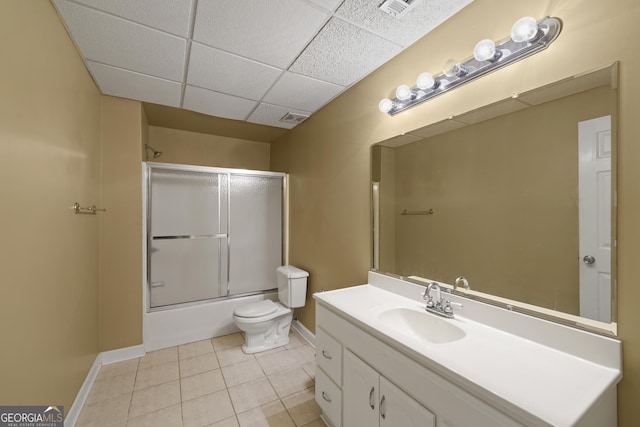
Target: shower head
(156, 153)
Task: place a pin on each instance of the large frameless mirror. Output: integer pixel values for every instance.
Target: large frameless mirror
(518, 197)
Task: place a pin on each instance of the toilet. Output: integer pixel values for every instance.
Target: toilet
(266, 323)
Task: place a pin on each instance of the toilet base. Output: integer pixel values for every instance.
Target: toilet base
(276, 336)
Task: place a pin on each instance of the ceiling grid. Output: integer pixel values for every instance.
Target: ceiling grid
(249, 60)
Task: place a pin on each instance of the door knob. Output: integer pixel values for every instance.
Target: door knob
(588, 259)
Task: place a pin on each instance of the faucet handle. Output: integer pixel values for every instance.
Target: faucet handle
(448, 306)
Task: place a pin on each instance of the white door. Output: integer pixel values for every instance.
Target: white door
(399, 409)
(359, 393)
(594, 141)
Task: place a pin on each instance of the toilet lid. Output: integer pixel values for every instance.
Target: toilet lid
(256, 309)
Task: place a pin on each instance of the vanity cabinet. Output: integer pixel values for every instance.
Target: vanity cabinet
(363, 381)
(372, 400)
(379, 353)
(328, 391)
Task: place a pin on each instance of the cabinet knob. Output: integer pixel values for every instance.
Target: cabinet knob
(326, 355)
(325, 397)
(382, 411)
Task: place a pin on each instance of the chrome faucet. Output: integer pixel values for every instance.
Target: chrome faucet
(439, 306)
(434, 285)
(463, 280)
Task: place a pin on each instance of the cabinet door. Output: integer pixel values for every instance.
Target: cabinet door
(399, 409)
(359, 393)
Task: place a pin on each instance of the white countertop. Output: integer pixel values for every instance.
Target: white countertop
(508, 370)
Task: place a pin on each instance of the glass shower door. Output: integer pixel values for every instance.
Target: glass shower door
(188, 246)
(255, 232)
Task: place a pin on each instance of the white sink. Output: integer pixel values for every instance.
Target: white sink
(421, 325)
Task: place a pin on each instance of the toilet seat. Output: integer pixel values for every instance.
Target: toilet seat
(256, 309)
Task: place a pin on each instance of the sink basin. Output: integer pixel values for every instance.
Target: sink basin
(422, 325)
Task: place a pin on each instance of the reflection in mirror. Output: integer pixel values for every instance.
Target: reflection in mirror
(515, 196)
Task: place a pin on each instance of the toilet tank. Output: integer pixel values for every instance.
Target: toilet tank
(292, 286)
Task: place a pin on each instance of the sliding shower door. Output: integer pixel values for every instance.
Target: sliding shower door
(255, 232)
(211, 233)
(188, 236)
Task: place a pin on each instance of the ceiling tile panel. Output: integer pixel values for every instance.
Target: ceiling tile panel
(302, 93)
(217, 104)
(327, 4)
(172, 16)
(128, 84)
(270, 115)
(220, 71)
(329, 58)
(123, 44)
(273, 32)
(250, 60)
(424, 17)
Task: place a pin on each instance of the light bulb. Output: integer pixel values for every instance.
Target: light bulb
(524, 30)
(485, 50)
(385, 105)
(454, 69)
(425, 81)
(403, 92)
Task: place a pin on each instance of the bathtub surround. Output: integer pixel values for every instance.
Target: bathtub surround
(183, 325)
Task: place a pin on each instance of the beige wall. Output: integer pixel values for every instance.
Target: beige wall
(328, 155)
(50, 132)
(192, 148)
(121, 226)
(50, 158)
(504, 193)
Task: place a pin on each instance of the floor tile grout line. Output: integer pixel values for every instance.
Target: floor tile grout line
(180, 387)
(134, 388)
(176, 351)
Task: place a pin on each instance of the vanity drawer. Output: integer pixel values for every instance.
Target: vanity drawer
(329, 355)
(329, 397)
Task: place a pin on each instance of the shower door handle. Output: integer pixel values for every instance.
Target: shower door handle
(157, 284)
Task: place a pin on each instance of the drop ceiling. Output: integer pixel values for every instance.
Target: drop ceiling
(248, 60)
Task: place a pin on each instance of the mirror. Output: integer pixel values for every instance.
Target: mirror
(515, 196)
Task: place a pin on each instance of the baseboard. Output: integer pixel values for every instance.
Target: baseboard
(76, 407)
(104, 358)
(304, 332)
(122, 354)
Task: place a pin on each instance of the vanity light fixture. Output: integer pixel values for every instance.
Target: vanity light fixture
(528, 37)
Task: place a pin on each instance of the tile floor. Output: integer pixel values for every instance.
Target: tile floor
(207, 383)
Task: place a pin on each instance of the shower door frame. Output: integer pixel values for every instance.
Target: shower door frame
(148, 238)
